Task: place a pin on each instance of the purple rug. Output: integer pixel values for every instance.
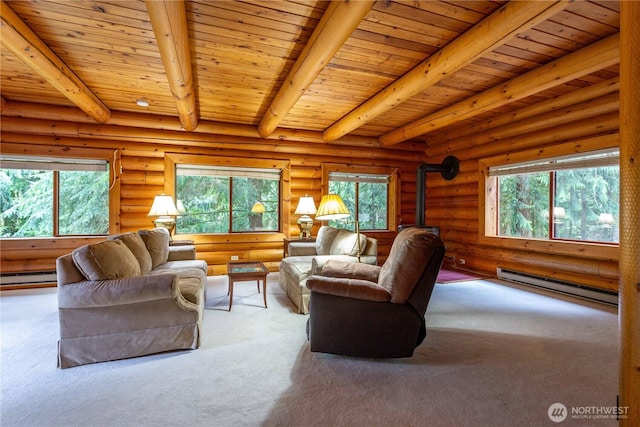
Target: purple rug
(447, 276)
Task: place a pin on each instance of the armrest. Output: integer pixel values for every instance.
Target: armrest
(351, 270)
(129, 290)
(350, 288)
(302, 248)
(182, 253)
(318, 261)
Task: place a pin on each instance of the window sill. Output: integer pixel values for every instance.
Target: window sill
(603, 251)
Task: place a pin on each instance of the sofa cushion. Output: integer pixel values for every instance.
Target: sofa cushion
(136, 245)
(346, 243)
(326, 236)
(157, 242)
(110, 259)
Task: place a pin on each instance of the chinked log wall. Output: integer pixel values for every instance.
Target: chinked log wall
(587, 116)
(142, 159)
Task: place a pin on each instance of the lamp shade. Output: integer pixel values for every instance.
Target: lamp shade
(606, 219)
(180, 207)
(332, 207)
(306, 206)
(163, 206)
(258, 207)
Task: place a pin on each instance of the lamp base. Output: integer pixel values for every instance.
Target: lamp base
(166, 222)
(304, 224)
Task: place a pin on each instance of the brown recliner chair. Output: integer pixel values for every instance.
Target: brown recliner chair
(370, 311)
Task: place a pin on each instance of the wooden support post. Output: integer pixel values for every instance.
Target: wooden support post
(629, 305)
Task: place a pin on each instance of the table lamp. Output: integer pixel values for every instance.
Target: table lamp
(165, 210)
(306, 207)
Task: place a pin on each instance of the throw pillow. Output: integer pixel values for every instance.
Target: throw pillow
(136, 245)
(346, 243)
(106, 260)
(326, 236)
(157, 242)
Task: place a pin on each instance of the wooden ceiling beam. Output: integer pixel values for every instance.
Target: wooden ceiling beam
(487, 35)
(338, 22)
(121, 119)
(585, 61)
(557, 103)
(18, 38)
(169, 22)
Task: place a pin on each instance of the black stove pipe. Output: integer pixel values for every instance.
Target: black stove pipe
(449, 168)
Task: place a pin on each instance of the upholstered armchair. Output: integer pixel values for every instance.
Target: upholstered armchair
(375, 311)
(307, 258)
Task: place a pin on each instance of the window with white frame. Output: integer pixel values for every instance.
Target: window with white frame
(226, 199)
(366, 195)
(571, 198)
(53, 196)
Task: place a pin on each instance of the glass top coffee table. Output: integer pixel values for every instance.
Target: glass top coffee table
(244, 272)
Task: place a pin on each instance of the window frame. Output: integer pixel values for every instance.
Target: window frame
(173, 159)
(487, 206)
(112, 156)
(393, 189)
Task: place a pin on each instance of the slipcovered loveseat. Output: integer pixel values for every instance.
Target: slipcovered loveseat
(307, 258)
(128, 296)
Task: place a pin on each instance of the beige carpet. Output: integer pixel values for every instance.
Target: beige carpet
(494, 355)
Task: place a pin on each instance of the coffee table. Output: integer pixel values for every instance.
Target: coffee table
(246, 271)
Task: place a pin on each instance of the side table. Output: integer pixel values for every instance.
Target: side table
(245, 271)
(181, 242)
(288, 240)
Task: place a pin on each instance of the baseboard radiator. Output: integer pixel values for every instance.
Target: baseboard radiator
(19, 280)
(555, 285)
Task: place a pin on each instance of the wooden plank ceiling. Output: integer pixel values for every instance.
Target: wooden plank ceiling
(389, 71)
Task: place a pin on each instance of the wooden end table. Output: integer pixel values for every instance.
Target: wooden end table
(246, 271)
(288, 240)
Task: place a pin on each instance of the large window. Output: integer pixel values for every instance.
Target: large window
(46, 197)
(574, 198)
(371, 193)
(227, 194)
(219, 199)
(366, 197)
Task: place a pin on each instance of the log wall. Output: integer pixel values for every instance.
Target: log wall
(457, 206)
(142, 177)
(585, 117)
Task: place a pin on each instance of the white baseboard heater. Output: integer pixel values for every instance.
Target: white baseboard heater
(28, 279)
(555, 285)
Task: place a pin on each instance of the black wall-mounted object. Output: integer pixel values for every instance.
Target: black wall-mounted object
(449, 168)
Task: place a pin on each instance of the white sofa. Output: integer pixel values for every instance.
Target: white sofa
(308, 258)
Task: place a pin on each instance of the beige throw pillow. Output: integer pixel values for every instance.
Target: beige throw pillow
(326, 236)
(157, 242)
(346, 243)
(136, 245)
(110, 259)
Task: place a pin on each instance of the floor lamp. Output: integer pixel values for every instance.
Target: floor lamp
(332, 207)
